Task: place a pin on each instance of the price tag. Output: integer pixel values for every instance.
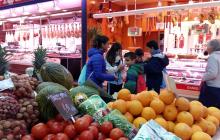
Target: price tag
(6, 84)
(64, 105)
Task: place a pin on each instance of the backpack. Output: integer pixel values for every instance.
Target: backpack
(141, 84)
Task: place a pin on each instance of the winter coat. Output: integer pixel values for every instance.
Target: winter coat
(96, 67)
(153, 70)
(212, 74)
(132, 77)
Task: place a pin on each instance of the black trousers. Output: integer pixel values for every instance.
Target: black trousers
(112, 88)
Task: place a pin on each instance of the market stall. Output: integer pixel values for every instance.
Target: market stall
(53, 24)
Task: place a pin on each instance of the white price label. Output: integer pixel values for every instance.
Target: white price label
(6, 84)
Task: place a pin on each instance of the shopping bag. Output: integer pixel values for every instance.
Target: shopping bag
(82, 76)
(141, 84)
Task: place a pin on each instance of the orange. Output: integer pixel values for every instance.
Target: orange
(183, 131)
(214, 120)
(214, 112)
(157, 105)
(182, 104)
(171, 126)
(110, 105)
(170, 113)
(185, 117)
(154, 94)
(133, 97)
(211, 128)
(139, 121)
(196, 110)
(196, 128)
(120, 105)
(129, 117)
(166, 96)
(145, 98)
(135, 107)
(200, 136)
(205, 112)
(148, 113)
(124, 94)
(203, 124)
(162, 122)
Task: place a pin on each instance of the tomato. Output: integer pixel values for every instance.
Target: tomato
(70, 131)
(116, 133)
(101, 136)
(59, 118)
(50, 122)
(106, 128)
(27, 137)
(94, 131)
(81, 125)
(89, 118)
(49, 137)
(61, 136)
(123, 138)
(96, 124)
(56, 127)
(108, 139)
(39, 131)
(86, 135)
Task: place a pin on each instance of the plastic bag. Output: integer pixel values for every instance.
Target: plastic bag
(153, 131)
(82, 76)
(119, 121)
(92, 105)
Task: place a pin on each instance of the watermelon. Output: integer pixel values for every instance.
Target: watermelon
(53, 72)
(89, 91)
(46, 107)
(45, 84)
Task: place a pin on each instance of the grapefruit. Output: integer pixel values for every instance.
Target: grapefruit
(124, 94)
(129, 117)
(166, 96)
(162, 122)
(182, 104)
(135, 107)
(196, 128)
(139, 121)
(214, 120)
(185, 117)
(183, 131)
(171, 126)
(148, 113)
(145, 98)
(157, 105)
(200, 136)
(170, 113)
(120, 105)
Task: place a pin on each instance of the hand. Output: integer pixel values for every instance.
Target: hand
(121, 67)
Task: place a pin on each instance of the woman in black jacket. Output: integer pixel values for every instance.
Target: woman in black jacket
(154, 66)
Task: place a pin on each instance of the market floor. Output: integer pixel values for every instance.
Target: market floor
(217, 136)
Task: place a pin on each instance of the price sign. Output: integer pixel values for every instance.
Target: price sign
(64, 105)
(6, 84)
(134, 31)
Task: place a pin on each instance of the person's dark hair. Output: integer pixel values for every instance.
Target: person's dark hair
(99, 40)
(111, 54)
(139, 52)
(130, 55)
(152, 44)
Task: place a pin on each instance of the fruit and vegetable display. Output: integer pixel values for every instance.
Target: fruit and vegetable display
(186, 119)
(83, 129)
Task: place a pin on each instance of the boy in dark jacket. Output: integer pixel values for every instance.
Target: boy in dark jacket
(154, 67)
(133, 71)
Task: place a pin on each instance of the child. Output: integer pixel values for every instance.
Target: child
(133, 71)
(139, 55)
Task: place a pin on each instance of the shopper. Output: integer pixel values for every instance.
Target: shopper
(114, 66)
(210, 89)
(154, 66)
(134, 70)
(96, 67)
(139, 55)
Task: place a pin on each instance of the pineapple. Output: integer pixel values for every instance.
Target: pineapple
(39, 58)
(3, 60)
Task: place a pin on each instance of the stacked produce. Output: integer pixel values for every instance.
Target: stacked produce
(83, 129)
(24, 86)
(9, 107)
(29, 111)
(188, 120)
(11, 129)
